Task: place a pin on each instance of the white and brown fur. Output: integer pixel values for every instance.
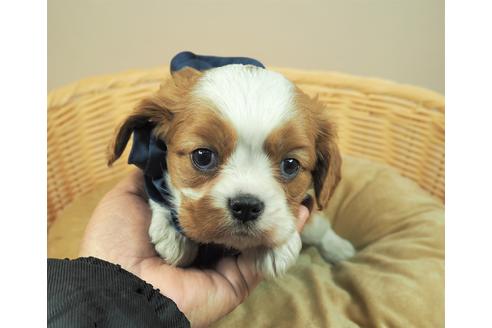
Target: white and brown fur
(253, 118)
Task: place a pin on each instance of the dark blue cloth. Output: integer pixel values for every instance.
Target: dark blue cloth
(149, 153)
(202, 63)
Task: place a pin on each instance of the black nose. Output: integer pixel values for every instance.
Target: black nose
(245, 207)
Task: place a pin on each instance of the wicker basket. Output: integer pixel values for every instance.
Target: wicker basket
(399, 125)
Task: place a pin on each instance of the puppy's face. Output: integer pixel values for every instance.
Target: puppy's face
(244, 147)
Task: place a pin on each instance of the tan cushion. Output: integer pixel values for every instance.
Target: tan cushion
(395, 280)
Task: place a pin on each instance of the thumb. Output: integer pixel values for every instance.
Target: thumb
(302, 217)
(246, 263)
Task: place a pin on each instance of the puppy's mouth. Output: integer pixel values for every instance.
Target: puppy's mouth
(245, 235)
(242, 235)
(246, 230)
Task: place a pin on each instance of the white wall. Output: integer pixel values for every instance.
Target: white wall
(401, 40)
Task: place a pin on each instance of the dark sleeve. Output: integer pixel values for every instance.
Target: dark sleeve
(88, 292)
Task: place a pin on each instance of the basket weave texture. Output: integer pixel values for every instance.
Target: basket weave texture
(400, 125)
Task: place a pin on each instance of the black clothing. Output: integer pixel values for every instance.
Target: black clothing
(89, 292)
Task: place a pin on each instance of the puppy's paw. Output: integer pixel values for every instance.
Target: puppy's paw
(171, 245)
(335, 249)
(274, 262)
(175, 249)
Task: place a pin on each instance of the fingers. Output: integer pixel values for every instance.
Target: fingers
(302, 217)
(239, 276)
(247, 266)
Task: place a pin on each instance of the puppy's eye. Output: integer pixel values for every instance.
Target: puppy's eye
(289, 168)
(204, 159)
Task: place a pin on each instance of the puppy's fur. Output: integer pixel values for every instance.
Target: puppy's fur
(252, 119)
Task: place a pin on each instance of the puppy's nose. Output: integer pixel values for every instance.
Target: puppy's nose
(245, 207)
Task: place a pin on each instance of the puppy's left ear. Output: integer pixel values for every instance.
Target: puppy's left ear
(327, 172)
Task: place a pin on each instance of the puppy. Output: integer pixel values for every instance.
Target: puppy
(244, 147)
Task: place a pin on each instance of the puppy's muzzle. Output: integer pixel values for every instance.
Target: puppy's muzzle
(245, 208)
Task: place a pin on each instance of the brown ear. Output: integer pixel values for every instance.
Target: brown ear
(327, 172)
(158, 109)
(147, 111)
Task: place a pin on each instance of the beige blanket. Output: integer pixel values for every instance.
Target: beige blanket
(395, 280)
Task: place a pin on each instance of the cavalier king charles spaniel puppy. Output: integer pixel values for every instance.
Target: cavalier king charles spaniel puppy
(243, 149)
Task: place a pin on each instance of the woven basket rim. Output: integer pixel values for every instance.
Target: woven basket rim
(358, 102)
(59, 96)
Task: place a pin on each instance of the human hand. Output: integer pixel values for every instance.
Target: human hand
(118, 232)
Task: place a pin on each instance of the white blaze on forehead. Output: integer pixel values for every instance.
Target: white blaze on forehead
(248, 172)
(253, 99)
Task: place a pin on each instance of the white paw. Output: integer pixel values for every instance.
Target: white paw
(333, 248)
(336, 249)
(175, 249)
(171, 245)
(275, 262)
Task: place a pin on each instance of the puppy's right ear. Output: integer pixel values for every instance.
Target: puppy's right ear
(148, 111)
(157, 110)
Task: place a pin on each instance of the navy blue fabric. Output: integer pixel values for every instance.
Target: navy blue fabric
(202, 63)
(149, 153)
